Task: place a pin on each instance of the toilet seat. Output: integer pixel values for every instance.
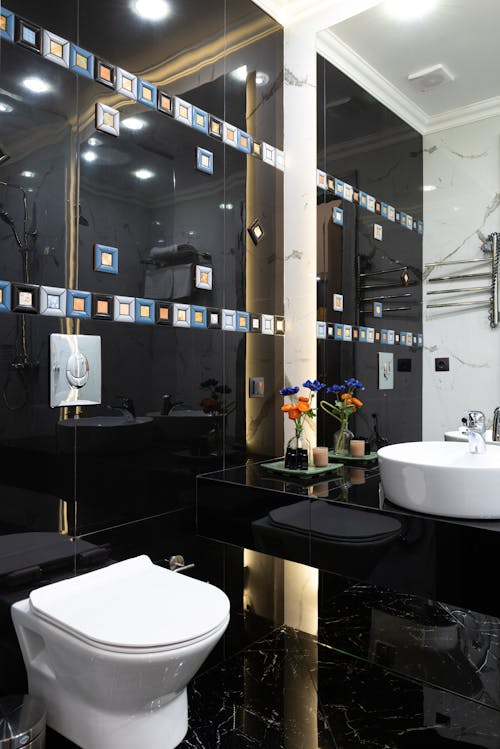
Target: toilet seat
(133, 606)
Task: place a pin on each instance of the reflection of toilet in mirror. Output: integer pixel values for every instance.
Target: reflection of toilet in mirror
(111, 652)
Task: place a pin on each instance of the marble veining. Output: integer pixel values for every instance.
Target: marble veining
(442, 645)
(287, 691)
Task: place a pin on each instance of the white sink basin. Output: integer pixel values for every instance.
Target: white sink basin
(442, 478)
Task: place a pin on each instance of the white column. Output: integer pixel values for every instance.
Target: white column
(300, 208)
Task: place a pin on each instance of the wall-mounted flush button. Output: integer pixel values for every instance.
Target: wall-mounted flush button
(75, 370)
(256, 387)
(385, 371)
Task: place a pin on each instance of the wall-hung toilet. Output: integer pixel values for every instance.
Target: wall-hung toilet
(111, 652)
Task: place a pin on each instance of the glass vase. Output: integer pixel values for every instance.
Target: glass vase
(342, 439)
(298, 451)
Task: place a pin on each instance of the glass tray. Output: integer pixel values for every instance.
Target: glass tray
(278, 466)
(351, 458)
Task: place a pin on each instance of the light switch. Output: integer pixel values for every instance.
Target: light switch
(256, 387)
(385, 371)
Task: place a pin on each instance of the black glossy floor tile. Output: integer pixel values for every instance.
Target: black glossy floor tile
(441, 645)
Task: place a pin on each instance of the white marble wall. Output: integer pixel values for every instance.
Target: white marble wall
(463, 163)
(300, 208)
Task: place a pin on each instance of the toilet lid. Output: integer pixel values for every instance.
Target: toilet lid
(133, 605)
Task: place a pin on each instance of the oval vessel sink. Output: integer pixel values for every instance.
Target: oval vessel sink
(442, 478)
(105, 434)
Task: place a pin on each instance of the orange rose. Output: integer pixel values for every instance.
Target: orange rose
(294, 413)
(303, 407)
(304, 399)
(286, 407)
(208, 405)
(345, 396)
(357, 402)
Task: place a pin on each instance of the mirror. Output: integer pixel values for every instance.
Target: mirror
(425, 117)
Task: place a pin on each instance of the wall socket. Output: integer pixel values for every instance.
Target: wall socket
(256, 387)
(385, 371)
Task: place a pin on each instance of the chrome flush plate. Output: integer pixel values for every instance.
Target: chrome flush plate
(75, 370)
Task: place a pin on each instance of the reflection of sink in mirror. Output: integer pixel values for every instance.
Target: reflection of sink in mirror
(441, 478)
(456, 436)
(184, 424)
(105, 434)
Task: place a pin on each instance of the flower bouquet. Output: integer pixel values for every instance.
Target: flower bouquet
(345, 404)
(299, 408)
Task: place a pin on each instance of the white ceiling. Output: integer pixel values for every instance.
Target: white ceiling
(379, 51)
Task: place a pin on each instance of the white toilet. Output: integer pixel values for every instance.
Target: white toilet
(111, 652)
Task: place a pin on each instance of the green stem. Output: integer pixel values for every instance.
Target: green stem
(328, 408)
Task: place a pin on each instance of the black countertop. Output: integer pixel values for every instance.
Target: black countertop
(342, 524)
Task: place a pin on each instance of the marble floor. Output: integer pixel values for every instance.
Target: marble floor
(290, 690)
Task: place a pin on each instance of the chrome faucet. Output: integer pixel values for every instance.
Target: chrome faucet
(495, 435)
(475, 428)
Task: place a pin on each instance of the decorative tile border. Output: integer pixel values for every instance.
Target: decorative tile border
(361, 334)
(82, 62)
(48, 300)
(345, 191)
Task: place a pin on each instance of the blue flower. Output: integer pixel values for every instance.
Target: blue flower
(222, 389)
(289, 391)
(352, 382)
(209, 383)
(336, 389)
(314, 386)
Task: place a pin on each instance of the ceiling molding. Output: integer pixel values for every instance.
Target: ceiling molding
(353, 65)
(480, 110)
(276, 8)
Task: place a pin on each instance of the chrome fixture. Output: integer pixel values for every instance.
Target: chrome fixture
(75, 370)
(475, 428)
(495, 432)
(177, 564)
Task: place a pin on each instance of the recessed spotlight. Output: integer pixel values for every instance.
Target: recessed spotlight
(151, 10)
(143, 174)
(94, 142)
(133, 123)
(89, 156)
(429, 188)
(5, 107)
(240, 74)
(28, 175)
(226, 206)
(261, 78)
(409, 10)
(36, 85)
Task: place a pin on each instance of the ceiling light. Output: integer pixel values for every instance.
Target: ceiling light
(240, 74)
(36, 85)
(5, 107)
(28, 175)
(226, 206)
(409, 10)
(429, 188)
(94, 142)
(261, 78)
(133, 123)
(151, 10)
(143, 174)
(89, 156)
